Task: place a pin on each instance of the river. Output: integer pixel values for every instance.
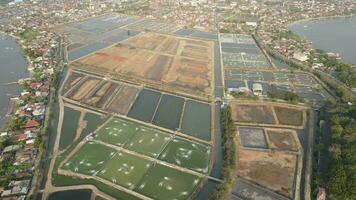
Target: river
(12, 67)
(336, 35)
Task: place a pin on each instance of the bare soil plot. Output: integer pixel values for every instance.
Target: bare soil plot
(252, 137)
(244, 189)
(72, 80)
(101, 95)
(157, 58)
(252, 113)
(84, 89)
(289, 116)
(282, 139)
(274, 170)
(123, 100)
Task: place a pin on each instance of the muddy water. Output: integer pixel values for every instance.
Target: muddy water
(197, 120)
(145, 105)
(12, 68)
(169, 112)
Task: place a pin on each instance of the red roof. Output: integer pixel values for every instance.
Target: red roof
(31, 123)
(20, 137)
(36, 84)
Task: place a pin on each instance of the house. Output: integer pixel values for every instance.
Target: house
(36, 85)
(300, 56)
(11, 148)
(20, 137)
(3, 134)
(257, 89)
(31, 124)
(22, 197)
(17, 188)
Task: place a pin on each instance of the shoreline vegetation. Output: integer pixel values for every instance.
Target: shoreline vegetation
(27, 66)
(13, 123)
(228, 130)
(342, 86)
(321, 18)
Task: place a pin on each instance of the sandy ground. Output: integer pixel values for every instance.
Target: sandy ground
(271, 170)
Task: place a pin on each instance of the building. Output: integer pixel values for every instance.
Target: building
(17, 188)
(300, 56)
(257, 89)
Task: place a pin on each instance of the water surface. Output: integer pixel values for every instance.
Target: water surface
(12, 67)
(336, 35)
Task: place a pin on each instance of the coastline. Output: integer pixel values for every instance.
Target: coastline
(299, 22)
(27, 65)
(319, 18)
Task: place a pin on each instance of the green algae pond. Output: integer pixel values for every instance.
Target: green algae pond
(161, 182)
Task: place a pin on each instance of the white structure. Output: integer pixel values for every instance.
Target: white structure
(300, 56)
(257, 89)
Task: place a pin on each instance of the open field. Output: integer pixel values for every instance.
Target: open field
(275, 171)
(157, 58)
(82, 89)
(163, 183)
(123, 100)
(252, 113)
(99, 96)
(282, 139)
(244, 189)
(268, 114)
(187, 154)
(73, 79)
(125, 170)
(252, 137)
(288, 116)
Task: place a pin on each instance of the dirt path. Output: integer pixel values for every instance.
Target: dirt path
(49, 188)
(82, 124)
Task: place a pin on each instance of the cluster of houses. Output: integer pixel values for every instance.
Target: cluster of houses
(20, 141)
(273, 27)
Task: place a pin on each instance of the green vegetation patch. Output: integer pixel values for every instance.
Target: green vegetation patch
(187, 154)
(125, 169)
(161, 182)
(148, 141)
(69, 127)
(117, 132)
(90, 159)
